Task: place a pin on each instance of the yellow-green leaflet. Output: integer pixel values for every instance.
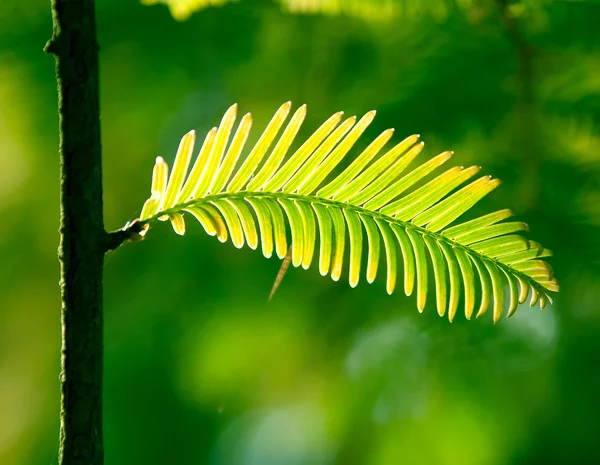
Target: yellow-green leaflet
(180, 166)
(233, 153)
(309, 233)
(295, 222)
(257, 153)
(279, 235)
(421, 261)
(497, 290)
(192, 181)
(355, 233)
(339, 233)
(396, 188)
(265, 225)
(390, 251)
(468, 276)
(325, 237)
(214, 159)
(160, 173)
(302, 154)
(486, 286)
(204, 219)
(454, 274)
(246, 221)
(373, 240)
(439, 272)
(307, 170)
(378, 177)
(331, 161)
(233, 223)
(408, 257)
(177, 223)
(275, 159)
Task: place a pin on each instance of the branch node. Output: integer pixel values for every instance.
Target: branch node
(132, 232)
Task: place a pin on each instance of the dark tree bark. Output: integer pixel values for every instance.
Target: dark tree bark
(83, 240)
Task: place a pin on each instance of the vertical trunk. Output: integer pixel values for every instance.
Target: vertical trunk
(82, 235)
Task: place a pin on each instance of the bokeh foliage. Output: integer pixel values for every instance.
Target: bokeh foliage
(199, 368)
(378, 10)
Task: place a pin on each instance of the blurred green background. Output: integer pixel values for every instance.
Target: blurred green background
(200, 369)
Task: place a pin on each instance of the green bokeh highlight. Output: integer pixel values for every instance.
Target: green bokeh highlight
(200, 369)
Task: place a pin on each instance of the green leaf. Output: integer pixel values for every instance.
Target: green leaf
(278, 154)
(339, 235)
(309, 234)
(408, 257)
(439, 272)
(265, 225)
(390, 251)
(417, 244)
(356, 241)
(246, 220)
(375, 192)
(233, 153)
(374, 244)
(325, 237)
(297, 227)
(468, 276)
(279, 235)
(233, 222)
(214, 158)
(192, 180)
(259, 150)
(379, 175)
(343, 180)
(454, 276)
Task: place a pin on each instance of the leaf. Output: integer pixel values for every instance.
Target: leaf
(292, 199)
(374, 244)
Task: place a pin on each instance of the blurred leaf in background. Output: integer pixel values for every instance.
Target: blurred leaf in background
(199, 368)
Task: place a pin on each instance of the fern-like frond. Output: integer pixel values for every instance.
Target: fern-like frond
(375, 201)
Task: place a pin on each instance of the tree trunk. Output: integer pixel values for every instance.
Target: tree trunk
(82, 236)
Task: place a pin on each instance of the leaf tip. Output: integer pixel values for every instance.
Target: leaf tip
(369, 116)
